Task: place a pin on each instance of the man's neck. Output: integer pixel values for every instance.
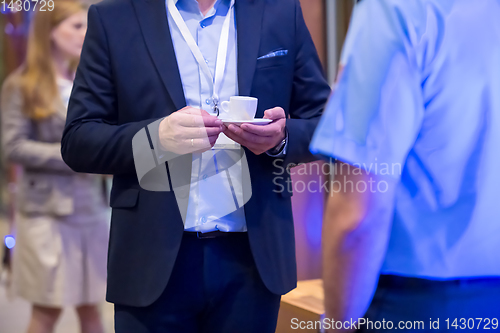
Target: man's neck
(205, 5)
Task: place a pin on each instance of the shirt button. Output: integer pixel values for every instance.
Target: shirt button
(207, 101)
(203, 219)
(202, 25)
(204, 177)
(206, 61)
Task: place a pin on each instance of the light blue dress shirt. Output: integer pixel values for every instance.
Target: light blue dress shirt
(212, 200)
(421, 88)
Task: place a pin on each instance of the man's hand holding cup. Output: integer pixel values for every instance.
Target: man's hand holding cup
(189, 130)
(260, 138)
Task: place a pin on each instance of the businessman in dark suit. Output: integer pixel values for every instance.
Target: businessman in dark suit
(137, 69)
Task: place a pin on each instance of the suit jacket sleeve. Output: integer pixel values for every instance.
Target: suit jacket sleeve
(309, 95)
(19, 144)
(93, 140)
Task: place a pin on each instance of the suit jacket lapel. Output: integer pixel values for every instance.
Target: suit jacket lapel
(248, 23)
(152, 16)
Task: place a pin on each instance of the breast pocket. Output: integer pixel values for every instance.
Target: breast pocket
(276, 61)
(272, 86)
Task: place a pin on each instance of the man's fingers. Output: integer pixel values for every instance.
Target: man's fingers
(274, 113)
(199, 132)
(247, 136)
(272, 129)
(197, 144)
(195, 120)
(212, 121)
(235, 137)
(213, 139)
(255, 148)
(186, 119)
(208, 119)
(213, 131)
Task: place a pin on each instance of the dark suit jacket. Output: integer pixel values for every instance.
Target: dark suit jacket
(128, 78)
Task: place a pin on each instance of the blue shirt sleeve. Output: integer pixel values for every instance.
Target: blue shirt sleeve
(376, 110)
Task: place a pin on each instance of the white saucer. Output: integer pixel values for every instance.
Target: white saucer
(255, 121)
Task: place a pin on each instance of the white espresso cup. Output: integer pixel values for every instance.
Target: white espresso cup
(239, 108)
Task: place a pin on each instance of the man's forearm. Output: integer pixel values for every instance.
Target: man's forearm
(351, 264)
(356, 230)
(97, 147)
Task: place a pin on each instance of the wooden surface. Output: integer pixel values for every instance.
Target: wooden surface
(303, 304)
(308, 295)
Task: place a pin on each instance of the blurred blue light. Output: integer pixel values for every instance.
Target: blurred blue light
(10, 241)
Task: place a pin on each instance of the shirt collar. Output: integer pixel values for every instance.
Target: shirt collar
(193, 5)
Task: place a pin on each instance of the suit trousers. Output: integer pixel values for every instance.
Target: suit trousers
(214, 287)
(421, 305)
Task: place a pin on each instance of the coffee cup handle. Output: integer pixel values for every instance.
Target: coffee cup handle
(225, 106)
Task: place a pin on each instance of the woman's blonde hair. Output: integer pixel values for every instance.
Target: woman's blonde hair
(36, 77)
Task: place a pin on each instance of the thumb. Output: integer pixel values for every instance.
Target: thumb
(274, 113)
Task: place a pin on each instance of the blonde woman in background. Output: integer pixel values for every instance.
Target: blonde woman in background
(62, 217)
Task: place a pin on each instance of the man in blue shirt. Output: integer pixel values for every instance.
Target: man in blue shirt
(415, 123)
(193, 247)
